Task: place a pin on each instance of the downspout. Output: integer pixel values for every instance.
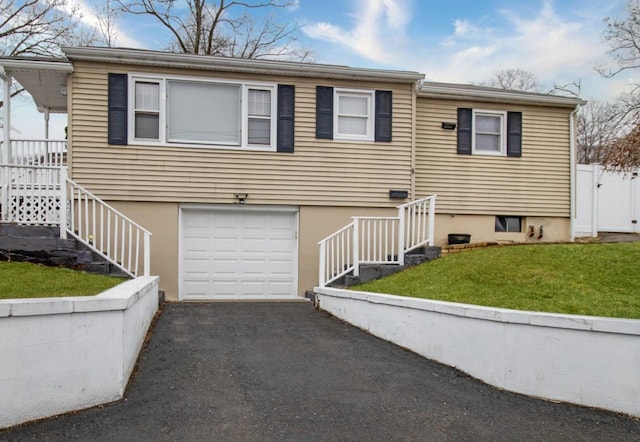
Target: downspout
(572, 173)
(412, 172)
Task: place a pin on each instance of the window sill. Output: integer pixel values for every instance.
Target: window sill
(138, 143)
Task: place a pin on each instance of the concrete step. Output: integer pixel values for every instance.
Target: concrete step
(42, 245)
(372, 272)
(17, 230)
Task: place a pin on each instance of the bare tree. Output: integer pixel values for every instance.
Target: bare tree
(623, 37)
(513, 79)
(221, 27)
(596, 128)
(107, 18)
(36, 27)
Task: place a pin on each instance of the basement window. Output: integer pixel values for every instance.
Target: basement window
(509, 224)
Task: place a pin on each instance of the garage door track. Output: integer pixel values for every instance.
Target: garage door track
(284, 371)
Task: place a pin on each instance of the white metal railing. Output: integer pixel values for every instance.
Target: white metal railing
(418, 219)
(108, 232)
(51, 153)
(337, 254)
(43, 195)
(377, 240)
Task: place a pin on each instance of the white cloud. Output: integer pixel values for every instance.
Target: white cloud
(556, 49)
(379, 27)
(88, 17)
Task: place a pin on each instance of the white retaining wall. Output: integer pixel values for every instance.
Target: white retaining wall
(64, 354)
(583, 360)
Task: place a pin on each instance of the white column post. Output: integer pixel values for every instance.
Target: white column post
(6, 130)
(432, 220)
(147, 254)
(323, 264)
(46, 124)
(64, 203)
(401, 234)
(356, 246)
(595, 198)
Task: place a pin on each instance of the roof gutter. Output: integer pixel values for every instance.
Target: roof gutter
(206, 62)
(62, 66)
(480, 93)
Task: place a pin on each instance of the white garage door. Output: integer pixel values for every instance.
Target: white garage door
(243, 253)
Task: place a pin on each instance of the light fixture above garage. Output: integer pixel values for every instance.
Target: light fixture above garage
(241, 197)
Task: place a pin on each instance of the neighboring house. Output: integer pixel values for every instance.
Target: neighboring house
(239, 167)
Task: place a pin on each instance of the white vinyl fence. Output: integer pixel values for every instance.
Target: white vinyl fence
(606, 201)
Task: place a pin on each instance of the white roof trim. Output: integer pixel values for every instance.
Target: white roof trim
(481, 93)
(52, 65)
(270, 67)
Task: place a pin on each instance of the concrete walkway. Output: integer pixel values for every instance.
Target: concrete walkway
(284, 371)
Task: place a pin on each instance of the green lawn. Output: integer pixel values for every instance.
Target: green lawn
(583, 279)
(25, 280)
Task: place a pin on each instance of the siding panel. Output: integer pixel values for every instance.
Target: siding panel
(537, 184)
(322, 172)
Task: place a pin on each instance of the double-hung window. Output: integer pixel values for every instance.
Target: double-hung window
(259, 116)
(147, 110)
(489, 132)
(353, 119)
(196, 112)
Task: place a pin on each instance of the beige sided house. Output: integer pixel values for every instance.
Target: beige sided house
(238, 168)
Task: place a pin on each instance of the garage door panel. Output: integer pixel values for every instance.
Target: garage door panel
(197, 267)
(256, 245)
(238, 254)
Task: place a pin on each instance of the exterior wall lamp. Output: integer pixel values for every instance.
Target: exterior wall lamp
(241, 197)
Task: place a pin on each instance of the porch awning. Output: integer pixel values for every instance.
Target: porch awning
(44, 78)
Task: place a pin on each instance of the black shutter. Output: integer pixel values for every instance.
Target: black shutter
(465, 127)
(286, 122)
(383, 116)
(514, 134)
(324, 112)
(117, 109)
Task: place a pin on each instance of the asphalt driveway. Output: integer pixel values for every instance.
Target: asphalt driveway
(284, 371)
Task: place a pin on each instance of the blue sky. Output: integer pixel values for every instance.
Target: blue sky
(462, 41)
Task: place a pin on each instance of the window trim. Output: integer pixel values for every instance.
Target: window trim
(503, 132)
(244, 110)
(370, 95)
(506, 218)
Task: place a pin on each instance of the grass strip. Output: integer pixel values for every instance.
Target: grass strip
(26, 280)
(582, 279)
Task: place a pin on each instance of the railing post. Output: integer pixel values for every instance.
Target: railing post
(356, 246)
(147, 254)
(323, 264)
(63, 202)
(4, 191)
(432, 220)
(401, 225)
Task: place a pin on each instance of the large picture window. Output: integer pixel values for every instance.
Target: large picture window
(196, 112)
